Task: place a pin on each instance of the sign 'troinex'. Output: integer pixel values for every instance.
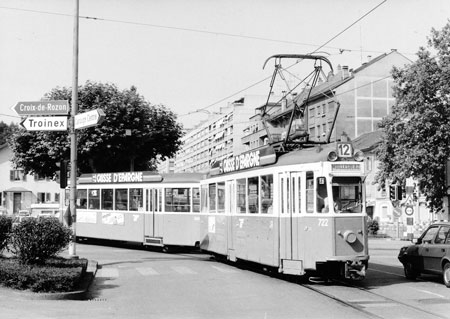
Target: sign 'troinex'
(45, 123)
(57, 107)
(90, 118)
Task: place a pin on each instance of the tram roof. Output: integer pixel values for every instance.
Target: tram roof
(317, 153)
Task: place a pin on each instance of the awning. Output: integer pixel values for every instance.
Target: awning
(16, 190)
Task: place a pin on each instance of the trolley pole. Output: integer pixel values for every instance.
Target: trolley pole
(73, 134)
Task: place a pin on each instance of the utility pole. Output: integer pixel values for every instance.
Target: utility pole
(73, 134)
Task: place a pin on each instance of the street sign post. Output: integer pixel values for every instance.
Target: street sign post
(45, 123)
(57, 107)
(88, 119)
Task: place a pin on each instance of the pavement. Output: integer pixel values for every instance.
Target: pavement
(387, 246)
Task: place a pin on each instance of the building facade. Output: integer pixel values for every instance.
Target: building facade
(218, 137)
(18, 190)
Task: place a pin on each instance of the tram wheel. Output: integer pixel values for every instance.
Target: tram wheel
(410, 272)
(166, 249)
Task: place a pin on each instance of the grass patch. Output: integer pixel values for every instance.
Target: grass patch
(54, 275)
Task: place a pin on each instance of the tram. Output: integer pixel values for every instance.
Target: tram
(302, 212)
(153, 209)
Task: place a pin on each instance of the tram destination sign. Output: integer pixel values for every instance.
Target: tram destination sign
(45, 123)
(56, 107)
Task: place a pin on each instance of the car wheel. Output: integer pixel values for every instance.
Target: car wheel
(410, 272)
(446, 274)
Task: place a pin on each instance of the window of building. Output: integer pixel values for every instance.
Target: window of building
(17, 175)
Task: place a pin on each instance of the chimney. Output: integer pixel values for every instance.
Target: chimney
(345, 73)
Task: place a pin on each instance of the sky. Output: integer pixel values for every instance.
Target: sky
(191, 55)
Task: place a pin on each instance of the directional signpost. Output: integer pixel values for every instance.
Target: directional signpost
(88, 119)
(57, 107)
(45, 123)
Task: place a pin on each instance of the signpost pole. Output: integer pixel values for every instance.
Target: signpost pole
(73, 133)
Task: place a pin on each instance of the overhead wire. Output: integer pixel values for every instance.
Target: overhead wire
(214, 33)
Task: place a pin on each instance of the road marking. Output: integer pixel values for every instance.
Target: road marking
(225, 270)
(147, 271)
(429, 292)
(183, 270)
(387, 272)
(107, 273)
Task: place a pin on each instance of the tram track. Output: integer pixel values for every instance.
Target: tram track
(369, 302)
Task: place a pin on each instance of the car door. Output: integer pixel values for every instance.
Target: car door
(427, 248)
(438, 249)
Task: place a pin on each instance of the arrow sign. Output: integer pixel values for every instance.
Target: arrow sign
(57, 107)
(45, 123)
(90, 118)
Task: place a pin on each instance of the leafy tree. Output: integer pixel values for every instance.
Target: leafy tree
(417, 134)
(133, 134)
(5, 131)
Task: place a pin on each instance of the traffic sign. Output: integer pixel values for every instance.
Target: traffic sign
(409, 210)
(90, 118)
(45, 123)
(57, 107)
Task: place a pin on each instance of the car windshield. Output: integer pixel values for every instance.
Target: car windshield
(347, 195)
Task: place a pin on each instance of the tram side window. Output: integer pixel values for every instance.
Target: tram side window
(241, 200)
(107, 199)
(196, 199)
(204, 198)
(309, 192)
(221, 197)
(122, 199)
(322, 197)
(159, 199)
(212, 197)
(136, 199)
(252, 193)
(94, 199)
(177, 200)
(81, 199)
(266, 194)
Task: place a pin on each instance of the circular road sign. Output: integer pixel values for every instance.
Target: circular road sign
(409, 210)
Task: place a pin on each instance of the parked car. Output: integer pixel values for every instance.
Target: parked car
(429, 254)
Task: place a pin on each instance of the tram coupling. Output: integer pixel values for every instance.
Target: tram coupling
(355, 269)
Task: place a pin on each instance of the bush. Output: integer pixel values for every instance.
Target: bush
(373, 226)
(55, 275)
(35, 240)
(5, 229)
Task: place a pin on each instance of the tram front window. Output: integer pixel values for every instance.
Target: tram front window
(347, 195)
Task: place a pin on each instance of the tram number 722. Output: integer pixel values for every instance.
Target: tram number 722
(323, 222)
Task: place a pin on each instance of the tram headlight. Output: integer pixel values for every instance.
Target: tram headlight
(358, 156)
(350, 236)
(332, 156)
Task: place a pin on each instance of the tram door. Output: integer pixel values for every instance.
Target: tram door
(290, 232)
(230, 211)
(150, 208)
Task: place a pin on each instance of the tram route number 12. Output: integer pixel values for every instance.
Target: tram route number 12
(345, 150)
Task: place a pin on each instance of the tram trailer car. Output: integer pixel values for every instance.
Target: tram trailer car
(303, 212)
(152, 209)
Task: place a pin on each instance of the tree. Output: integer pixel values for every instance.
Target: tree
(417, 133)
(133, 134)
(5, 131)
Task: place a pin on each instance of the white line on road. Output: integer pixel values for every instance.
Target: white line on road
(107, 273)
(429, 292)
(225, 270)
(183, 270)
(147, 271)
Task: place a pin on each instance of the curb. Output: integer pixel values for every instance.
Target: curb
(79, 294)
